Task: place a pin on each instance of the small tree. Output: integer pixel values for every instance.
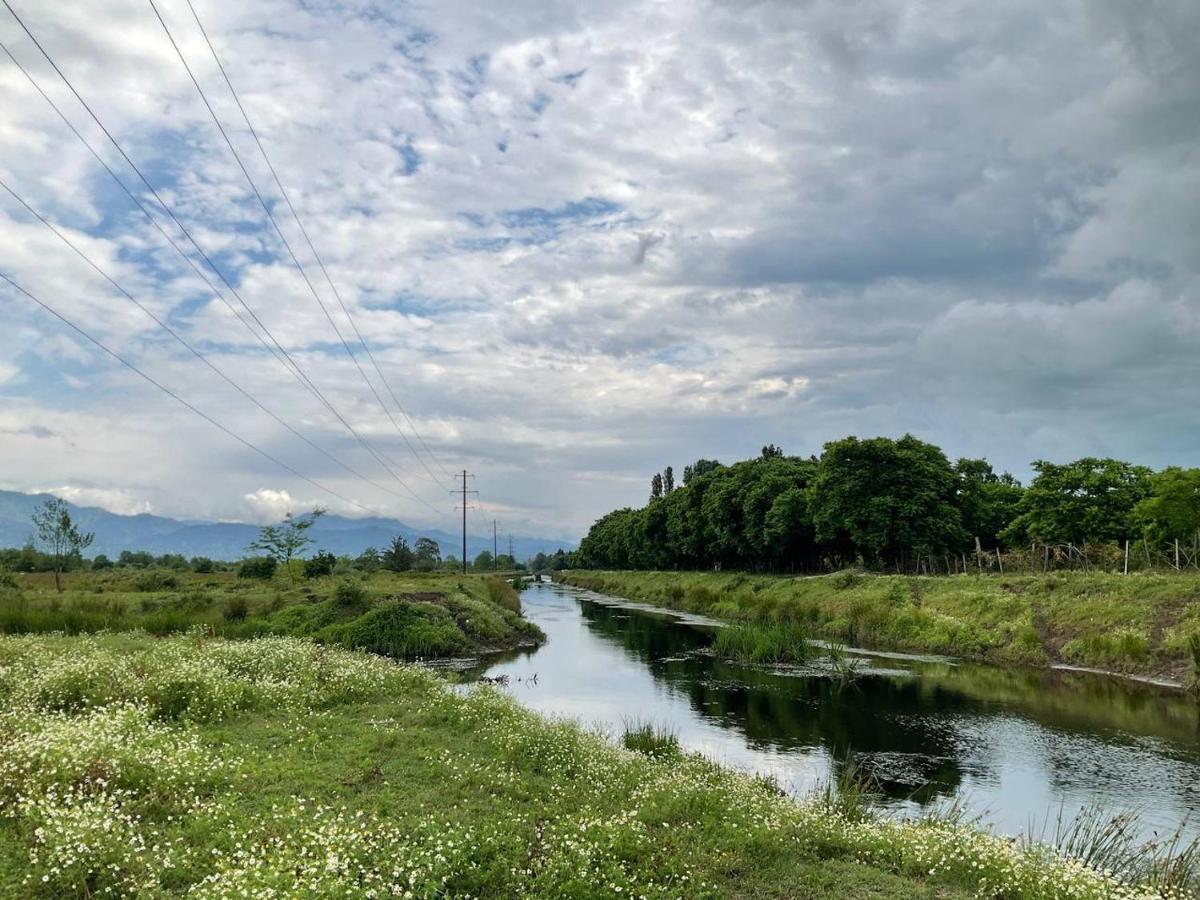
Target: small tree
(484, 562)
(429, 554)
(656, 487)
(668, 476)
(283, 542)
(59, 536)
(398, 557)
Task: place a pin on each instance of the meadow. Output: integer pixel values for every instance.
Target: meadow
(1142, 623)
(404, 615)
(196, 766)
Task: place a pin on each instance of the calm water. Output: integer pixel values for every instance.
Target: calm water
(1018, 746)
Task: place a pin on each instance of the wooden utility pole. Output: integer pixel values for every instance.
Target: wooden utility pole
(495, 548)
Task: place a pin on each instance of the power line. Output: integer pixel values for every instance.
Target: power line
(283, 239)
(287, 199)
(193, 350)
(294, 367)
(170, 393)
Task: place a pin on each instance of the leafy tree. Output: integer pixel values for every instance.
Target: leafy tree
(320, 564)
(60, 536)
(668, 477)
(137, 559)
(988, 501)
(202, 565)
(428, 554)
(1090, 499)
(540, 562)
(371, 560)
(101, 562)
(398, 557)
(770, 451)
(698, 468)
(1172, 511)
(171, 561)
(286, 540)
(484, 562)
(505, 563)
(656, 487)
(891, 499)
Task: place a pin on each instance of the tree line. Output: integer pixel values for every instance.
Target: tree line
(900, 504)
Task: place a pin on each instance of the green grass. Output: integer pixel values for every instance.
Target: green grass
(403, 615)
(143, 767)
(1142, 623)
(765, 643)
(650, 739)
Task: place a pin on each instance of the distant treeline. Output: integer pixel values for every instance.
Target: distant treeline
(898, 504)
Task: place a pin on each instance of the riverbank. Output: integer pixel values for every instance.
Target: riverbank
(403, 615)
(186, 765)
(1139, 624)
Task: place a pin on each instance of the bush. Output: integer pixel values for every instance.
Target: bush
(320, 565)
(236, 609)
(349, 594)
(153, 580)
(257, 567)
(202, 565)
(101, 562)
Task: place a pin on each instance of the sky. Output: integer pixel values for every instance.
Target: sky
(584, 241)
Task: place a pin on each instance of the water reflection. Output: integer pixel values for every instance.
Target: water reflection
(1016, 744)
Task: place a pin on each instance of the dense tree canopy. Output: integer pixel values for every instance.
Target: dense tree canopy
(884, 502)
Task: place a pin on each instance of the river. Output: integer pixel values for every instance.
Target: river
(1018, 747)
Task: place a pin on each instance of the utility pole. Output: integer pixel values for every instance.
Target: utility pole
(465, 507)
(512, 559)
(495, 551)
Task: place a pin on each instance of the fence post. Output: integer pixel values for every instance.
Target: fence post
(1126, 556)
(1176, 554)
(978, 555)
(999, 561)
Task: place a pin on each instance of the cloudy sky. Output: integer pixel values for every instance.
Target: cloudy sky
(587, 240)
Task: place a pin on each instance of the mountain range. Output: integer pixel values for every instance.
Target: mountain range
(228, 540)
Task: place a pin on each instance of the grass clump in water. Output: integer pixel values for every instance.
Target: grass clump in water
(763, 643)
(650, 739)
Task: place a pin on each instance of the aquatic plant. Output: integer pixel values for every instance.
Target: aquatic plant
(763, 643)
(650, 739)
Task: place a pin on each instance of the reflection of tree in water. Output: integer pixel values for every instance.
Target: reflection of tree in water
(890, 725)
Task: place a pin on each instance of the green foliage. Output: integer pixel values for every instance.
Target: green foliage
(236, 609)
(655, 741)
(398, 557)
(284, 541)
(988, 501)
(262, 567)
(484, 562)
(59, 536)
(155, 580)
(1089, 499)
(428, 555)
(202, 565)
(764, 643)
(320, 565)
(100, 562)
(349, 594)
(1172, 511)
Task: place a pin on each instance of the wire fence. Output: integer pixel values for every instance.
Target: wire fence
(1131, 556)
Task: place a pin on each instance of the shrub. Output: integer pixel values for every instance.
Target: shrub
(349, 594)
(320, 565)
(236, 609)
(257, 567)
(154, 580)
(202, 565)
(503, 594)
(101, 562)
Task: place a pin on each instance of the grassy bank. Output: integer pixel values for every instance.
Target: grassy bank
(401, 615)
(1138, 624)
(186, 765)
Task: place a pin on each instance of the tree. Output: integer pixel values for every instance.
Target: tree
(668, 480)
(428, 554)
(698, 468)
(656, 487)
(1090, 499)
(371, 560)
(284, 541)
(770, 451)
(59, 536)
(398, 557)
(540, 562)
(484, 562)
(890, 499)
(202, 565)
(100, 562)
(1172, 511)
(988, 501)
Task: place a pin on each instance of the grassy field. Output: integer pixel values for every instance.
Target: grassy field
(1148, 624)
(277, 767)
(403, 615)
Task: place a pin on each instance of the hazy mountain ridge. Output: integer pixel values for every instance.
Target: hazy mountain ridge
(228, 540)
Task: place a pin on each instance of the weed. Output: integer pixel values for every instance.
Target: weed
(236, 609)
(650, 739)
(755, 643)
(349, 594)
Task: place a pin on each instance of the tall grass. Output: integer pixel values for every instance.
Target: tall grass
(650, 739)
(503, 594)
(763, 643)
(1193, 679)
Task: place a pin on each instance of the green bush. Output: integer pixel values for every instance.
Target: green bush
(349, 594)
(202, 565)
(320, 565)
(154, 580)
(236, 609)
(257, 567)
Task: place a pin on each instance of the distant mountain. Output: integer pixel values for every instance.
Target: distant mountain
(228, 540)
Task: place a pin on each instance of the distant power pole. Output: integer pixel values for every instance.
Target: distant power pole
(512, 559)
(495, 546)
(465, 507)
